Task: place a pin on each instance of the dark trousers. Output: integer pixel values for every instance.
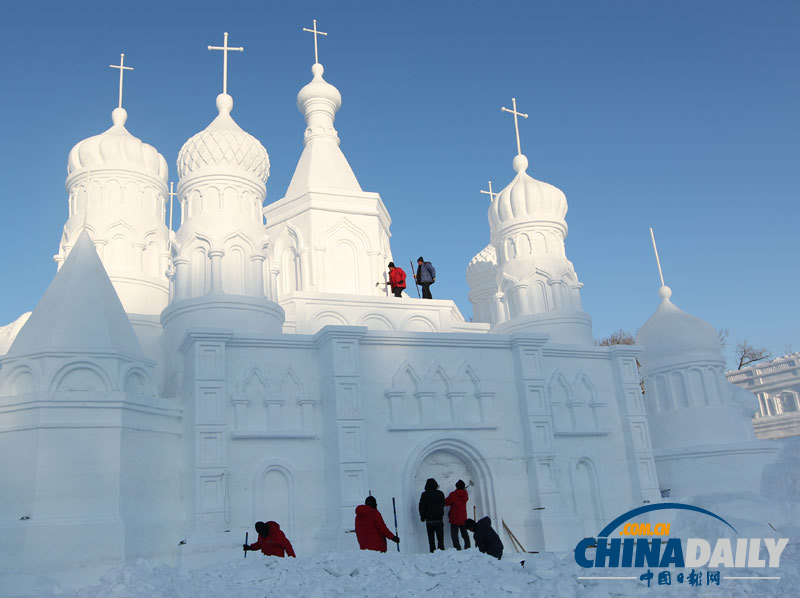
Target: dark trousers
(398, 292)
(454, 530)
(426, 290)
(435, 527)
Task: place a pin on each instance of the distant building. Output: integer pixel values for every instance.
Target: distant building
(776, 384)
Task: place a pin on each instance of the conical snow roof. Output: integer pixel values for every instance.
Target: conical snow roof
(79, 312)
(672, 336)
(322, 165)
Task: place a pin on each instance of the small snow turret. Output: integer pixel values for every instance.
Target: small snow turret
(537, 287)
(329, 235)
(117, 187)
(695, 415)
(86, 419)
(322, 164)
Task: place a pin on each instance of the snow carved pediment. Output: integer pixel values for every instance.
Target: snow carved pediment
(272, 404)
(438, 400)
(574, 406)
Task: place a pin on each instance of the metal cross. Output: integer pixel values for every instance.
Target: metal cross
(315, 32)
(489, 192)
(516, 114)
(171, 195)
(225, 49)
(122, 68)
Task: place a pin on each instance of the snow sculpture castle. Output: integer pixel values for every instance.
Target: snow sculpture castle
(177, 387)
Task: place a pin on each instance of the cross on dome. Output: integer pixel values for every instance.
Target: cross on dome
(225, 49)
(122, 68)
(489, 192)
(315, 32)
(172, 194)
(516, 122)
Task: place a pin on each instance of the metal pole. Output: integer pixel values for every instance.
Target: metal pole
(416, 282)
(246, 536)
(394, 508)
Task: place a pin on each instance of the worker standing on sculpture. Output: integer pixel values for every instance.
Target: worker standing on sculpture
(397, 279)
(431, 511)
(371, 531)
(425, 277)
(457, 501)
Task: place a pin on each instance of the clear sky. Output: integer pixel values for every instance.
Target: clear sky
(681, 115)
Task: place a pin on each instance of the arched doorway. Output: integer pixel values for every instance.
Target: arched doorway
(273, 500)
(447, 460)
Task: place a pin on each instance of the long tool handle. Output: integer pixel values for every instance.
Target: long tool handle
(394, 508)
(246, 536)
(416, 283)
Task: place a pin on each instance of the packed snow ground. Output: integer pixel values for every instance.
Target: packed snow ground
(464, 574)
(470, 574)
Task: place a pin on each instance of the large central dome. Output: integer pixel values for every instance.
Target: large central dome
(223, 145)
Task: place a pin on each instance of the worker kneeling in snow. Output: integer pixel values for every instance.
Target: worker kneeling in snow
(486, 539)
(271, 540)
(371, 531)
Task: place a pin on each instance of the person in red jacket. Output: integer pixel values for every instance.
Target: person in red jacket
(271, 540)
(457, 501)
(371, 531)
(397, 279)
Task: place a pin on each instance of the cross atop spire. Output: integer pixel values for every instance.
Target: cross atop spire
(489, 192)
(225, 49)
(316, 33)
(172, 194)
(516, 123)
(122, 68)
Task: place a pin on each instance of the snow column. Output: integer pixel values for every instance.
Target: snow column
(346, 460)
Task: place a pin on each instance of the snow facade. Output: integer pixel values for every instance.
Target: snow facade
(776, 384)
(171, 389)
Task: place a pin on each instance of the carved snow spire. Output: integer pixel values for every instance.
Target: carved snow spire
(322, 164)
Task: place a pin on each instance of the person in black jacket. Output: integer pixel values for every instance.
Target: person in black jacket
(486, 539)
(431, 511)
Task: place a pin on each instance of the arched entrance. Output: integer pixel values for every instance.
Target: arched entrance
(447, 460)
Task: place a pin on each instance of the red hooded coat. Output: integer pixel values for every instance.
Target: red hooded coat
(397, 278)
(457, 501)
(371, 531)
(275, 543)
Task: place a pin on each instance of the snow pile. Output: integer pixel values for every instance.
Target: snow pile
(463, 574)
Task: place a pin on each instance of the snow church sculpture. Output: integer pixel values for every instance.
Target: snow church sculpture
(253, 371)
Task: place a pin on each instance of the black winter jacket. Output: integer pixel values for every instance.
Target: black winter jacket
(431, 502)
(486, 539)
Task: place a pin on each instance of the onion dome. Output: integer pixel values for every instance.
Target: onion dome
(223, 145)
(672, 336)
(482, 269)
(525, 199)
(318, 89)
(117, 148)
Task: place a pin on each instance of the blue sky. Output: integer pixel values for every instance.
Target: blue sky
(681, 115)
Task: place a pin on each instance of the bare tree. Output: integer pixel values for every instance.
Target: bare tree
(620, 337)
(723, 334)
(747, 354)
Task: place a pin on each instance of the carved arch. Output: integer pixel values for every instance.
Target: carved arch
(344, 225)
(80, 376)
(403, 374)
(20, 380)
